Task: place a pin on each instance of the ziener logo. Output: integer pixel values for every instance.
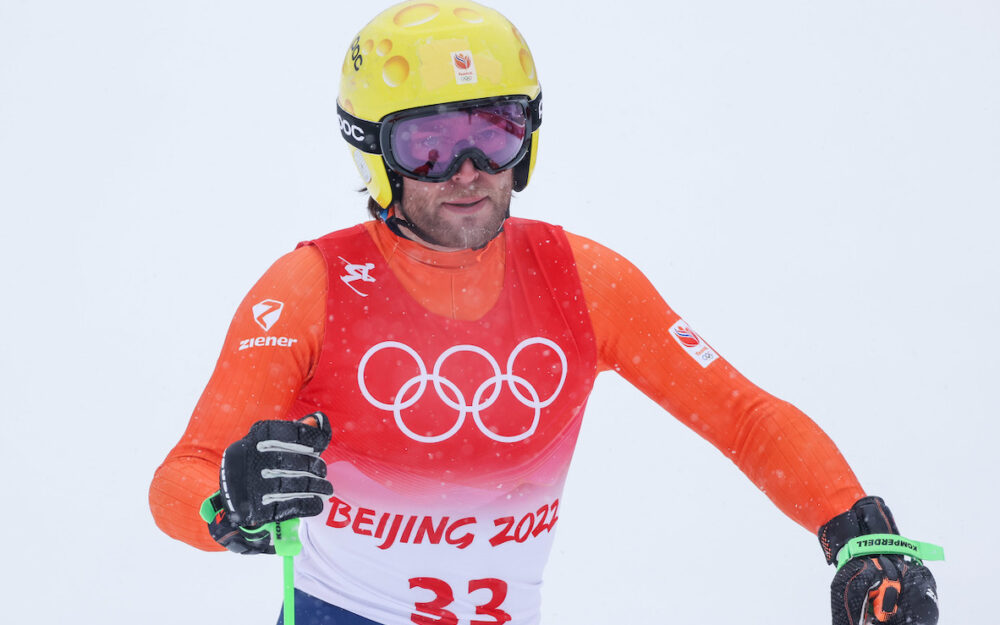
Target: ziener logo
(267, 313)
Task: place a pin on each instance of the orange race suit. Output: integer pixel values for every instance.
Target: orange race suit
(455, 383)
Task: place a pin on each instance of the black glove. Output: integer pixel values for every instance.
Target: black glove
(275, 473)
(897, 592)
(876, 588)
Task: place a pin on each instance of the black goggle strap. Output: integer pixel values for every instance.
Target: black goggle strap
(360, 133)
(535, 111)
(364, 135)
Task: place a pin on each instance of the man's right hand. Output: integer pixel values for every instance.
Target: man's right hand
(275, 473)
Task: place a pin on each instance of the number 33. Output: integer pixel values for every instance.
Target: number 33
(444, 596)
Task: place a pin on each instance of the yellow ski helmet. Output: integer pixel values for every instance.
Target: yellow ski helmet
(419, 54)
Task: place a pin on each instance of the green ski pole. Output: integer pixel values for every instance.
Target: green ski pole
(285, 538)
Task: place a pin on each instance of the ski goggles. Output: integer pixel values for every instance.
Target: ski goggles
(430, 143)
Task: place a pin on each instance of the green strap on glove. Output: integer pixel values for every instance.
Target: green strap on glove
(882, 544)
(284, 537)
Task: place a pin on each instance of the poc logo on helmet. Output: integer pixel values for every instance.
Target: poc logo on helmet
(356, 58)
(349, 130)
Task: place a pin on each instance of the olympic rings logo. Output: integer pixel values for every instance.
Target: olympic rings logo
(454, 397)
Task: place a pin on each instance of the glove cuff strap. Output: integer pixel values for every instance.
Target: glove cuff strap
(869, 515)
(882, 544)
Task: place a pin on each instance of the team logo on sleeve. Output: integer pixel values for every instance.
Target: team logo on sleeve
(692, 343)
(267, 313)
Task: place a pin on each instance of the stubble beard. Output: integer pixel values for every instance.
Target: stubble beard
(437, 225)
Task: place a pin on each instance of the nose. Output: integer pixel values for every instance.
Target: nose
(467, 172)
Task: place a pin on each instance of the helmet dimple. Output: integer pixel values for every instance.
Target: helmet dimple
(348, 106)
(416, 14)
(395, 71)
(384, 47)
(517, 34)
(366, 47)
(526, 63)
(468, 15)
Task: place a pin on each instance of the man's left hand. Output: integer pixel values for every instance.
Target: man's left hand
(884, 589)
(872, 587)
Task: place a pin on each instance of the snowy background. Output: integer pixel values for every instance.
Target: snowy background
(815, 186)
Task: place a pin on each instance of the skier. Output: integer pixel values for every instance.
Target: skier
(412, 387)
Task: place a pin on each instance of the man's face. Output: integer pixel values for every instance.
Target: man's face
(463, 212)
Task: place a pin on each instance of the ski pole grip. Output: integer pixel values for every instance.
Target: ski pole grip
(284, 534)
(285, 537)
(883, 544)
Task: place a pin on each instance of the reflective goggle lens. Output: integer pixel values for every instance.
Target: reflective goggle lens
(433, 146)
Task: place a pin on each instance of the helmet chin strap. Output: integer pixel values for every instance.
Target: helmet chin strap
(394, 221)
(393, 215)
(394, 218)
